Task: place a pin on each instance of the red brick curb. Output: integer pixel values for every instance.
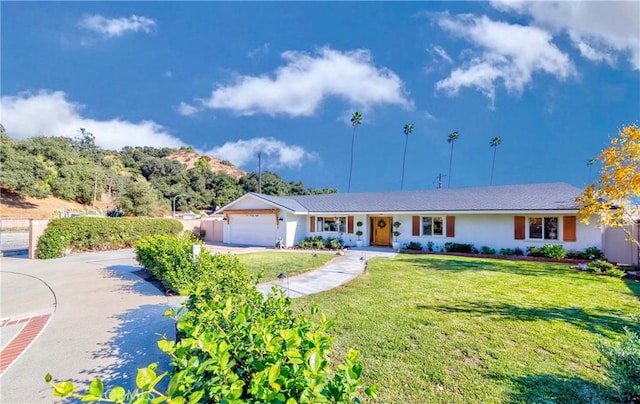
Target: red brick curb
(21, 342)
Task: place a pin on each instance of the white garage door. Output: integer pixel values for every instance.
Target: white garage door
(253, 229)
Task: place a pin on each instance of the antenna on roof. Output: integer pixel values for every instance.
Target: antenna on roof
(438, 181)
(259, 172)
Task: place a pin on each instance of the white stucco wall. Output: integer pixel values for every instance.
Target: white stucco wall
(296, 228)
(497, 231)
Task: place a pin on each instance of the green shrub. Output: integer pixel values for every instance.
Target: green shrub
(605, 268)
(416, 246)
(621, 360)
(170, 260)
(250, 349)
(589, 253)
(594, 253)
(458, 247)
(518, 252)
(487, 250)
(507, 251)
(96, 233)
(318, 242)
(555, 251)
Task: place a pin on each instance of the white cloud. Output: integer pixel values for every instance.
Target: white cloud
(301, 85)
(49, 113)
(599, 29)
(275, 153)
(438, 50)
(187, 109)
(116, 27)
(259, 51)
(510, 53)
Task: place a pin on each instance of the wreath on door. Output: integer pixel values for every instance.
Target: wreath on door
(381, 223)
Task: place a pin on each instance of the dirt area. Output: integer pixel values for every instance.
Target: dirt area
(216, 165)
(33, 208)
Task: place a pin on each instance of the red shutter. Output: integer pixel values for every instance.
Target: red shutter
(451, 226)
(350, 224)
(518, 226)
(569, 228)
(312, 224)
(416, 226)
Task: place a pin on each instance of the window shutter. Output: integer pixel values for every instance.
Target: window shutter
(518, 225)
(312, 224)
(569, 228)
(416, 225)
(350, 224)
(451, 226)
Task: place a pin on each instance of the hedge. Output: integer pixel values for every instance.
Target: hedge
(96, 233)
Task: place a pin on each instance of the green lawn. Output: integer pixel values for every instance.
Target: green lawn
(276, 262)
(452, 329)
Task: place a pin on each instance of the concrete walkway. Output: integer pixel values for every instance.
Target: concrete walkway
(335, 273)
(94, 314)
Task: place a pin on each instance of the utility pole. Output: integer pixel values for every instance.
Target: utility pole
(438, 182)
(259, 172)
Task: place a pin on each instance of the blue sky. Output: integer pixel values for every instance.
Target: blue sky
(553, 80)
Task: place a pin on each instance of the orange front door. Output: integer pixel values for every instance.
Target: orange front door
(381, 230)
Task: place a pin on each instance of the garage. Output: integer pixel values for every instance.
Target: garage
(252, 229)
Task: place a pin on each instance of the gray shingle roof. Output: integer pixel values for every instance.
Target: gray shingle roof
(549, 196)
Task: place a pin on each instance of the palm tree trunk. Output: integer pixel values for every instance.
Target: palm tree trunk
(353, 138)
(493, 164)
(450, 160)
(404, 158)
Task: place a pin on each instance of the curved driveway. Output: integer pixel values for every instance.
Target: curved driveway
(105, 319)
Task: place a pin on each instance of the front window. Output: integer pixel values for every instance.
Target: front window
(543, 228)
(331, 224)
(432, 226)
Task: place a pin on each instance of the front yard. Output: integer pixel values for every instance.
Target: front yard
(275, 262)
(454, 329)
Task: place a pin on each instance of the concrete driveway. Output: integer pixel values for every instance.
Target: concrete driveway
(104, 320)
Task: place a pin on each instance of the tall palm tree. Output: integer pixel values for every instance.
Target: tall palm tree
(453, 136)
(356, 120)
(408, 128)
(495, 142)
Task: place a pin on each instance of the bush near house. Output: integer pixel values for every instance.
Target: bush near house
(555, 251)
(320, 243)
(458, 247)
(96, 233)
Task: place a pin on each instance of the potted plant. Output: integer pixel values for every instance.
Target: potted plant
(396, 233)
(359, 233)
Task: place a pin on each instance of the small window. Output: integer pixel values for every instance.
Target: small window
(543, 228)
(432, 226)
(331, 224)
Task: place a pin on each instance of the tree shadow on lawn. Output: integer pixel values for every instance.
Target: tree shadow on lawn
(457, 264)
(554, 388)
(602, 323)
(634, 286)
(133, 345)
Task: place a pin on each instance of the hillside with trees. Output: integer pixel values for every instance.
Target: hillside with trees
(141, 181)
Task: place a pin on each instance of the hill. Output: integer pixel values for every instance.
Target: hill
(13, 206)
(216, 165)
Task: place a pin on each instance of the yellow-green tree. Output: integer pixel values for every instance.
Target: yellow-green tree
(615, 196)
